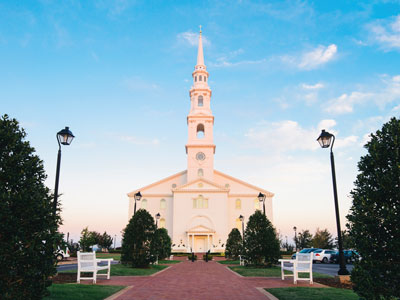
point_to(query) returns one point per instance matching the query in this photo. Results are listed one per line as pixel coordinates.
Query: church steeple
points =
(200, 147)
(200, 55)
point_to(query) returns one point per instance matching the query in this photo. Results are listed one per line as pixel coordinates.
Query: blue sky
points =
(118, 74)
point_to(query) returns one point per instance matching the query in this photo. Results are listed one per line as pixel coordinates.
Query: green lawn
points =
(306, 293)
(268, 272)
(121, 270)
(116, 256)
(229, 262)
(81, 292)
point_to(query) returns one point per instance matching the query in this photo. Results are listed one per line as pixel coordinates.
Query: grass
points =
(269, 272)
(121, 270)
(229, 262)
(305, 293)
(81, 292)
(116, 256)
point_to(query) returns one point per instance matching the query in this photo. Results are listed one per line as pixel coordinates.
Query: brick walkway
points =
(195, 281)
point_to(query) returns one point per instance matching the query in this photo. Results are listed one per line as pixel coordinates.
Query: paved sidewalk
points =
(195, 281)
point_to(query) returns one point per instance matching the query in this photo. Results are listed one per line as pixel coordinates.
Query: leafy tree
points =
(261, 241)
(161, 243)
(136, 240)
(88, 239)
(28, 224)
(322, 239)
(234, 244)
(375, 216)
(304, 239)
(347, 240)
(105, 241)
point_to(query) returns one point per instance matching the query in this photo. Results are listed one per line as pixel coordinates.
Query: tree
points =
(88, 239)
(161, 243)
(261, 241)
(28, 224)
(136, 240)
(304, 239)
(322, 239)
(234, 244)
(105, 241)
(347, 240)
(374, 217)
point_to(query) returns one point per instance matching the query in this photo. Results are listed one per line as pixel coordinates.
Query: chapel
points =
(200, 205)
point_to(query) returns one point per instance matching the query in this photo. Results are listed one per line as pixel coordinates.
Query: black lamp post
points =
(137, 197)
(157, 218)
(325, 140)
(241, 218)
(64, 137)
(295, 236)
(261, 198)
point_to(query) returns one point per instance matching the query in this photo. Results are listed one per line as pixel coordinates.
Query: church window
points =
(239, 224)
(144, 203)
(195, 78)
(205, 78)
(200, 78)
(238, 204)
(200, 101)
(163, 204)
(256, 203)
(200, 172)
(227, 185)
(200, 202)
(162, 223)
(200, 131)
(174, 185)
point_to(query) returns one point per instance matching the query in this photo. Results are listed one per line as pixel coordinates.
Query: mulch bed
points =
(66, 277)
(334, 282)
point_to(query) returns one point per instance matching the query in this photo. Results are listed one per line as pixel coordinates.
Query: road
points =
(329, 269)
(75, 266)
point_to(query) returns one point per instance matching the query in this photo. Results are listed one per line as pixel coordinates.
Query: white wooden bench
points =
(302, 264)
(241, 260)
(88, 263)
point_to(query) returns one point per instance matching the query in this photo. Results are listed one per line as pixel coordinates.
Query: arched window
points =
(195, 78)
(239, 224)
(205, 78)
(200, 172)
(238, 204)
(162, 223)
(163, 204)
(200, 78)
(200, 202)
(256, 203)
(200, 101)
(200, 131)
(144, 203)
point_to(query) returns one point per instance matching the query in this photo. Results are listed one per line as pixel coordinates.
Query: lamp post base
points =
(343, 271)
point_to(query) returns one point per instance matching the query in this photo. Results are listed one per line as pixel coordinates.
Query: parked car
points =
(61, 254)
(349, 256)
(323, 255)
(306, 250)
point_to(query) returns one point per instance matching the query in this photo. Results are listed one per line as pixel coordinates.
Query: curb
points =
(269, 295)
(116, 295)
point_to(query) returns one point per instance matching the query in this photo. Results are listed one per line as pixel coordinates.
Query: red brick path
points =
(196, 281)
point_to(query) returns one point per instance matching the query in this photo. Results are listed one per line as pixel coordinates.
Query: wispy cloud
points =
(386, 33)
(312, 59)
(316, 86)
(387, 92)
(136, 83)
(220, 63)
(192, 39)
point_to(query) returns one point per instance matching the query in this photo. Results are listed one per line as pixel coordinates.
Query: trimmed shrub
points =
(161, 243)
(234, 244)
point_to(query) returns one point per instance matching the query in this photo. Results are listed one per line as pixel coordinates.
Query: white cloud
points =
(192, 38)
(316, 86)
(387, 92)
(387, 33)
(327, 125)
(317, 57)
(136, 83)
(224, 63)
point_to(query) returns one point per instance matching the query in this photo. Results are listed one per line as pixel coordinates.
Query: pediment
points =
(200, 184)
(200, 229)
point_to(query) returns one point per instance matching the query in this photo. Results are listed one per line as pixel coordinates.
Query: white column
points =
(193, 242)
(187, 241)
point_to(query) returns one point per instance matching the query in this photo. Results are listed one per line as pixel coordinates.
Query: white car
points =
(61, 254)
(323, 255)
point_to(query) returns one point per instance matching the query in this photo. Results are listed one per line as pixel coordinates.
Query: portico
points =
(200, 239)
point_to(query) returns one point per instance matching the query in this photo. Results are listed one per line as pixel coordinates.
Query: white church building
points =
(200, 205)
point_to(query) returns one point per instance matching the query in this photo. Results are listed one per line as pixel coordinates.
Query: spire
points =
(200, 56)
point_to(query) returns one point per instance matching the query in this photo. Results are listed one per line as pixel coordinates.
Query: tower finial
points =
(200, 56)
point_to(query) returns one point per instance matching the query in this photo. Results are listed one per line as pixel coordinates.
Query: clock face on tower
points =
(200, 156)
